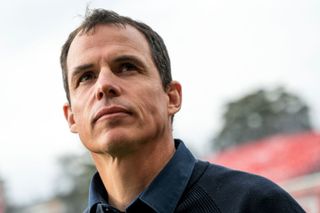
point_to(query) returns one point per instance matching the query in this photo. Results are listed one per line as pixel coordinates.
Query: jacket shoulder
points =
(237, 191)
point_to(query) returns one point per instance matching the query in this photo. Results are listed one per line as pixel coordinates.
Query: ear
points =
(174, 93)
(68, 114)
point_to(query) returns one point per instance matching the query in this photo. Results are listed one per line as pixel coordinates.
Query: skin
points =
(120, 110)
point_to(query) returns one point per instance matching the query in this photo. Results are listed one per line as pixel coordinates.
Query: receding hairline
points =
(137, 36)
(88, 32)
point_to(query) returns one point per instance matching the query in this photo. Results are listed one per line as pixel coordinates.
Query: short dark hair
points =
(96, 17)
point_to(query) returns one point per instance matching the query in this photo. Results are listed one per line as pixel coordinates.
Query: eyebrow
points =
(82, 68)
(132, 58)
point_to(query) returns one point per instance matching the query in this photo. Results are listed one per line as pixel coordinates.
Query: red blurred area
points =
(278, 158)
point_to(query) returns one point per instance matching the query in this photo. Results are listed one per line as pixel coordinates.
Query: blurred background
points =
(250, 76)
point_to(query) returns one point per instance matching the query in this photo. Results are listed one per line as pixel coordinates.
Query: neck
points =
(126, 177)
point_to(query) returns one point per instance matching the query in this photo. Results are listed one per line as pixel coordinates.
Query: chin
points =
(114, 145)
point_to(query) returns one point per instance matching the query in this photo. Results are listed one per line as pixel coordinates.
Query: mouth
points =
(110, 112)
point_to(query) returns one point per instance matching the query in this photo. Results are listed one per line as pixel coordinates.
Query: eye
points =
(87, 76)
(127, 67)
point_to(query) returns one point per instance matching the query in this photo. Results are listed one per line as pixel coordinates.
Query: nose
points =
(107, 85)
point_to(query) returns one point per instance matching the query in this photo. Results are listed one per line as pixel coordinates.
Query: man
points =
(121, 102)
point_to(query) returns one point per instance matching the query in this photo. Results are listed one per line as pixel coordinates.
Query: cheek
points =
(154, 104)
(81, 118)
(77, 114)
(81, 102)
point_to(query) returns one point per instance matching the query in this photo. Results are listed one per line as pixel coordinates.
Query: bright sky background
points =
(219, 50)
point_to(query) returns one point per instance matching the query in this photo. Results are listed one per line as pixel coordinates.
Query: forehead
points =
(108, 39)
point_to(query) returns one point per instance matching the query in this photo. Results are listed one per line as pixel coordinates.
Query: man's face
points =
(117, 99)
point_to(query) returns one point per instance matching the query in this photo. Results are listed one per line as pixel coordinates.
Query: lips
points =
(109, 111)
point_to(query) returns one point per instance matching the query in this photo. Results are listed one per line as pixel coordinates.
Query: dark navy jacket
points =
(189, 185)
